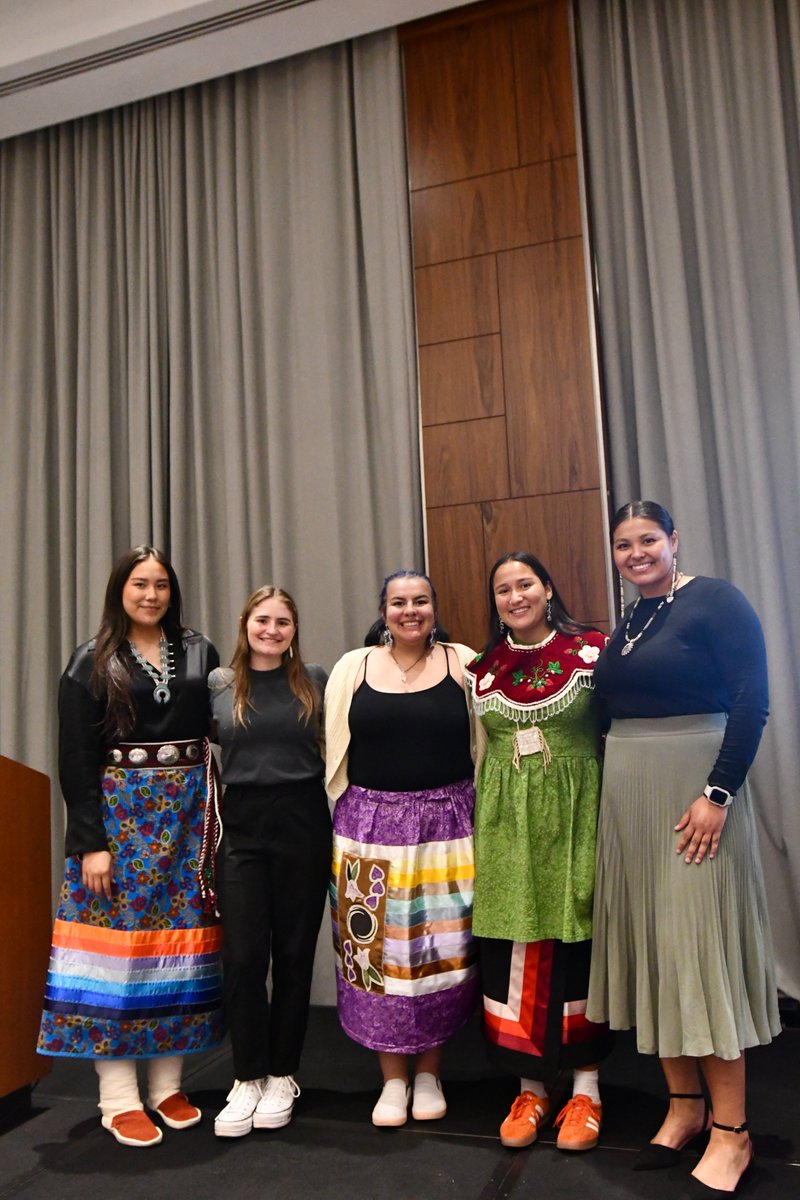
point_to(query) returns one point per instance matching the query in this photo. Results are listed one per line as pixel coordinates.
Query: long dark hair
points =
(374, 635)
(648, 510)
(111, 672)
(297, 676)
(560, 618)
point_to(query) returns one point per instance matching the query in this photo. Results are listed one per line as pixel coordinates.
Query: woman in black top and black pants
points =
(274, 859)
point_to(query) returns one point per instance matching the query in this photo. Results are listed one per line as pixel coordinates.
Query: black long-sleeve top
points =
(83, 744)
(276, 745)
(704, 653)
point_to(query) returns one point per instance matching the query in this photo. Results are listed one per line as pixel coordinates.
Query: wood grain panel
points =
(546, 363)
(465, 461)
(461, 380)
(566, 533)
(457, 568)
(27, 921)
(496, 212)
(457, 300)
(543, 73)
(460, 103)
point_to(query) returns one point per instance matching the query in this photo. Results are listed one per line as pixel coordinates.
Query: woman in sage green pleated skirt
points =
(681, 934)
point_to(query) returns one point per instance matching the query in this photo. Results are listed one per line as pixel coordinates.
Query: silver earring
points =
(386, 637)
(621, 597)
(671, 593)
(549, 610)
(291, 652)
(502, 626)
(432, 637)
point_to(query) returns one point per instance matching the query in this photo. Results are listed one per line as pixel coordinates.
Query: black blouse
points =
(83, 744)
(704, 653)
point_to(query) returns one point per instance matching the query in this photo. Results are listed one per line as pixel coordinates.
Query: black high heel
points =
(654, 1156)
(697, 1190)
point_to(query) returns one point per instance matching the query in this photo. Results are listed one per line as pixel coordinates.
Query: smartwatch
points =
(718, 796)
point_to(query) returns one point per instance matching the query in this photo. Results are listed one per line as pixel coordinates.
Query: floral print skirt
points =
(138, 976)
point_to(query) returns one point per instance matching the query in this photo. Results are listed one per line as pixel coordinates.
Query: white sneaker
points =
(275, 1106)
(429, 1102)
(392, 1107)
(236, 1118)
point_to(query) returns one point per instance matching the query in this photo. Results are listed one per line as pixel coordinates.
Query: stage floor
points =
(331, 1150)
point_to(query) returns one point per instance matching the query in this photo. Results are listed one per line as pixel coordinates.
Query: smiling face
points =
(409, 612)
(644, 553)
(270, 631)
(521, 601)
(145, 597)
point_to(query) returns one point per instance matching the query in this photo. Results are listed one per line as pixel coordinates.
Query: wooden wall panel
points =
(460, 103)
(564, 532)
(461, 380)
(497, 212)
(549, 401)
(455, 545)
(457, 300)
(509, 436)
(544, 82)
(465, 461)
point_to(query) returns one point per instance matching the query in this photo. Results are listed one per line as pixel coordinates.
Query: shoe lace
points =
(281, 1088)
(244, 1092)
(576, 1111)
(526, 1106)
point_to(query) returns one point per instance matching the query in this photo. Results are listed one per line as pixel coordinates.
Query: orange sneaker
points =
(133, 1128)
(580, 1120)
(521, 1126)
(177, 1112)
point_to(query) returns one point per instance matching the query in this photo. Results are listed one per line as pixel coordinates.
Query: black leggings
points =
(272, 872)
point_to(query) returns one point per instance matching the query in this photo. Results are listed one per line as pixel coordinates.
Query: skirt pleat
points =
(681, 951)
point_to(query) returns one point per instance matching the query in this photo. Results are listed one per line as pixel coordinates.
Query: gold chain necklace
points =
(404, 670)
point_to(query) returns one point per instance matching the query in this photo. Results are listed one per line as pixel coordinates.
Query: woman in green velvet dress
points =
(535, 820)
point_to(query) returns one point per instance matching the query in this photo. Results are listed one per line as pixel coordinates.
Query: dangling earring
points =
(432, 637)
(549, 610)
(291, 651)
(671, 592)
(621, 598)
(502, 626)
(386, 637)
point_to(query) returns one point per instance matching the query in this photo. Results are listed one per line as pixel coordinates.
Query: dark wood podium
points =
(26, 917)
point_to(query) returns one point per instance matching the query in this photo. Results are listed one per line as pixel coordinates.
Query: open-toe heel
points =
(654, 1156)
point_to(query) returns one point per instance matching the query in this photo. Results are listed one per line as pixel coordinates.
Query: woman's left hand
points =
(700, 828)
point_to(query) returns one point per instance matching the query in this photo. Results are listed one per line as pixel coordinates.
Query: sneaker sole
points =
(233, 1128)
(429, 1114)
(271, 1120)
(577, 1145)
(389, 1122)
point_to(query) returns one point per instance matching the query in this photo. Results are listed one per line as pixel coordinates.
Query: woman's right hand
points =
(97, 873)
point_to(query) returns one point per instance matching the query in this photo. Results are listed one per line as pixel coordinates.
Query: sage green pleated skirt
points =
(681, 951)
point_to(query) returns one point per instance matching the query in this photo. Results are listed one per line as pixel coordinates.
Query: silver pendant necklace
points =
(161, 693)
(630, 642)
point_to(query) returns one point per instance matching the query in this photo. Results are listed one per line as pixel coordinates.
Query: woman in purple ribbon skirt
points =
(400, 763)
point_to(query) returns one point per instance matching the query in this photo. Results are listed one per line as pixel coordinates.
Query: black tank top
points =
(409, 741)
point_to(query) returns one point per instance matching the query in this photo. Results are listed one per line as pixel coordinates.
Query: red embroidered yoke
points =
(532, 683)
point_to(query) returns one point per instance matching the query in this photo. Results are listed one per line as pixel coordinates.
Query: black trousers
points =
(272, 874)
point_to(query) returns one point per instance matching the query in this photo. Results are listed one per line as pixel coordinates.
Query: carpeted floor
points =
(331, 1150)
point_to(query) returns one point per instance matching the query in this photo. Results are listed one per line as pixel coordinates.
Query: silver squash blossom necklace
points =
(161, 693)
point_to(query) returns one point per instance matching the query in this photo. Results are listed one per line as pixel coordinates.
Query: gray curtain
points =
(691, 112)
(207, 341)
